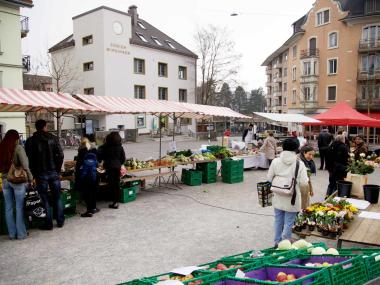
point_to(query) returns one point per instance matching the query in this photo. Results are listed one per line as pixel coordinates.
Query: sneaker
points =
(96, 210)
(114, 206)
(86, 215)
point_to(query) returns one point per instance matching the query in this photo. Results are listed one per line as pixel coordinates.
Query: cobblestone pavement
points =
(161, 230)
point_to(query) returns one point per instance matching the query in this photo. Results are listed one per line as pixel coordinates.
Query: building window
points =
(323, 17)
(89, 91)
(294, 96)
(295, 52)
(294, 73)
(306, 68)
(139, 66)
(157, 41)
(370, 63)
(333, 40)
(332, 66)
(141, 36)
(285, 87)
(162, 69)
(285, 71)
(285, 56)
(182, 72)
(372, 6)
(284, 101)
(141, 25)
(170, 44)
(182, 95)
(88, 66)
(139, 92)
(370, 92)
(331, 93)
(87, 40)
(371, 34)
(307, 94)
(162, 93)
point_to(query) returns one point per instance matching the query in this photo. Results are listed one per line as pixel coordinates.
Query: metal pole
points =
(81, 123)
(174, 123)
(159, 170)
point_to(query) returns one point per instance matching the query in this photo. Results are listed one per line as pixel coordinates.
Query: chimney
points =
(132, 11)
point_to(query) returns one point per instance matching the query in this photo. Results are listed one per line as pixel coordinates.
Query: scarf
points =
(310, 164)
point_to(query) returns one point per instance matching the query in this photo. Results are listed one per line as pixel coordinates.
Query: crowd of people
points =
(295, 178)
(39, 166)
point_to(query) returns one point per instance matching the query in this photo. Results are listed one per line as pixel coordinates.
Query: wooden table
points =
(363, 231)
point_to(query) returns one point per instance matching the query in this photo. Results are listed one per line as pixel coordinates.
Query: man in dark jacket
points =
(45, 161)
(337, 162)
(324, 140)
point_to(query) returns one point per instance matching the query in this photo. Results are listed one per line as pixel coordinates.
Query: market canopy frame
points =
(287, 118)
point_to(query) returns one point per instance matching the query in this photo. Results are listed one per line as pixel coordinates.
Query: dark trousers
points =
(334, 176)
(50, 179)
(89, 189)
(113, 179)
(322, 154)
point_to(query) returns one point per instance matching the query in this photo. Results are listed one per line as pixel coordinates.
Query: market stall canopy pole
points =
(15, 100)
(344, 115)
(286, 118)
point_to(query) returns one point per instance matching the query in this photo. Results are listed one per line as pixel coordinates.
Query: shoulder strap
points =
(293, 201)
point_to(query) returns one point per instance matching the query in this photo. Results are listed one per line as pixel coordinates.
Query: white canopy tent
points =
(286, 118)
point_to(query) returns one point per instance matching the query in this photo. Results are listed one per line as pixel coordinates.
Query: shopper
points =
(11, 152)
(337, 162)
(248, 134)
(86, 179)
(46, 157)
(324, 141)
(113, 156)
(285, 212)
(307, 155)
(360, 147)
(269, 147)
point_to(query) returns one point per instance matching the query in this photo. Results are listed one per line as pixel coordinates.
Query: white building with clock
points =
(116, 53)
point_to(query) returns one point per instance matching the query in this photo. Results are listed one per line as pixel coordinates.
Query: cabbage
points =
(318, 251)
(299, 244)
(284, 245)
(332, 251)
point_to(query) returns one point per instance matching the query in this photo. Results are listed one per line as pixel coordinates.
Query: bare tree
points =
(218, 60)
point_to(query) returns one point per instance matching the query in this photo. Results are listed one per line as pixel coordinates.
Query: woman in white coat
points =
(284, 212)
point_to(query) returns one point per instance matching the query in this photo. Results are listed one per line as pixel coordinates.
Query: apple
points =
(221, 266)
(291, 277)
(281, 277)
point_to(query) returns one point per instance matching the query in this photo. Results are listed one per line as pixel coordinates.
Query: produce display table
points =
(254, 161)
(362, 230)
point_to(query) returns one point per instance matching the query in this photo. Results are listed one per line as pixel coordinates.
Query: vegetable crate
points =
(215, 148)
(229, 267)
(128, 194)
(232, 171)
(191, 177)
(129, 183)
(196, 276)
(69, 201)
(343, 269)
(371, 257)
(209, 171)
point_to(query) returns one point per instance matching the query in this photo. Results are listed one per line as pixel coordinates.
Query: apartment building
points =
(332, 56)
(117, 53)
(13, 27)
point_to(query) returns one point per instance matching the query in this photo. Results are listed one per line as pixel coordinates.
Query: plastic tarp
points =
(287, 118)
(15, 100)
(344, 115)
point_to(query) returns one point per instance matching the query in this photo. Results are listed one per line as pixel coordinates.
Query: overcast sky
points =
(260, 28)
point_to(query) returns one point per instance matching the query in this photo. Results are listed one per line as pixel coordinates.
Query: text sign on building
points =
(117, 48)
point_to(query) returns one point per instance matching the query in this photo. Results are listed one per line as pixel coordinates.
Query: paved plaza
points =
(161, 230)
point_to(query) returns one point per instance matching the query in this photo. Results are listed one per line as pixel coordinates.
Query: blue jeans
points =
(14, 193)
(283, 223)
(51, 179)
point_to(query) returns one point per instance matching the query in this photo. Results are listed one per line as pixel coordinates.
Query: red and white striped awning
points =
(15, 100)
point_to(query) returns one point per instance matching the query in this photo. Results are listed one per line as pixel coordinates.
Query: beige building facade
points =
(333, 56)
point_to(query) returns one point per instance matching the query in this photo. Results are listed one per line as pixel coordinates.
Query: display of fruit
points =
(133, 163)
(299, 244)
(283, 277)
(209, 156)
(222, 267)
(197, 157)
(178, 278)
(324, 264)
(222, 153)
(183, 159)
(318, 251)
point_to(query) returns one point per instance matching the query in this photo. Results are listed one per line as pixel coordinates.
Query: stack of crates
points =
(69, 202)
(232, 170)
(191, 177)
(209, 171)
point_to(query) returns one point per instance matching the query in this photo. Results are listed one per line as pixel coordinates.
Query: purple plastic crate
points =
(270, 273)
(235, 282)
(318, 259)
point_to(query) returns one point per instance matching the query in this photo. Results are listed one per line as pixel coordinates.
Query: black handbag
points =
(34, 207)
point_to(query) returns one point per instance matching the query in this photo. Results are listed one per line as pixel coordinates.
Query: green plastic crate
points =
(209, 171)
(238, 264)
(232, 180)
(128, 194)
(215, 148)
(233, 164)
(68, 199)
(198, 275)
(130, 183)
(191, 177)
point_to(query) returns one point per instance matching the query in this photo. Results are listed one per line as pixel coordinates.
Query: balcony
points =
(309, 104)
(369, 45)
(277, 65)
(310, 53)
(362, 104)
(277, 93)
(309, 78)
(26, 63)
(24, 26)
(277, 79)
(268, 84)
(368, 74)
(268, 70)
(268, 96)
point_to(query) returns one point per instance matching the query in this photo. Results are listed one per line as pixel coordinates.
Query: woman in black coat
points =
(113, 156)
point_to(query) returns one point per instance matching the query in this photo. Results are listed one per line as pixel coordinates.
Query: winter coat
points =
(285, 166)
(360, 149)
(112, 155)
(337, 157)
(44, 153)
(324, 140)
(269, 147)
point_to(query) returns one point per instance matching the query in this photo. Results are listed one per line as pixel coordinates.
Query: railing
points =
(24, 26)
(277, 79)
(369, 44)
(26, 63)
(368, 74)
(362, 104)
(306, 53)
(309, 78)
